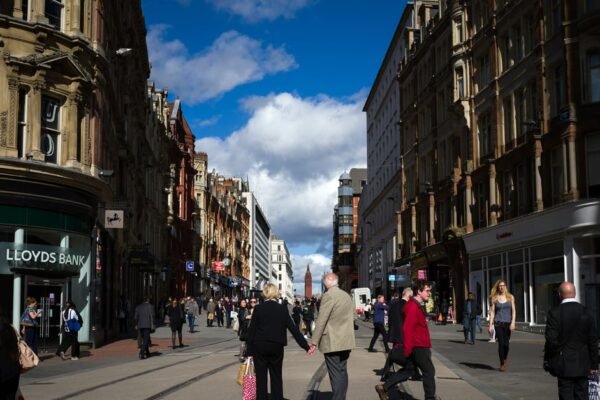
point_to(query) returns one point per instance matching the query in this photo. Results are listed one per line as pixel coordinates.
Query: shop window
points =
(495, 276)
(54, 12)
(517, 288)
(593, 164)
(547, 277)
(548, 250)
(50, 144)
(476, 264)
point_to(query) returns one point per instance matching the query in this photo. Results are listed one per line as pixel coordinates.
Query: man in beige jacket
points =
(334, 334)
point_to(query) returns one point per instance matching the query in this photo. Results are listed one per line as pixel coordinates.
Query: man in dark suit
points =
(571, 344)
(144, 320)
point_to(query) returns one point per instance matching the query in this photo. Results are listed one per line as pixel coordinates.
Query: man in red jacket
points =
(417, 343)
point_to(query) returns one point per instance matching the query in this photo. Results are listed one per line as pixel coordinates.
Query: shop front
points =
(534, 254)
(46, 255)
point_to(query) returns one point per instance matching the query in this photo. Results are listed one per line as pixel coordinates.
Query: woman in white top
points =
(70, 331)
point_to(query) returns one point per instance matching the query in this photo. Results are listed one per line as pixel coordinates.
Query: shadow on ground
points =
(477, 366)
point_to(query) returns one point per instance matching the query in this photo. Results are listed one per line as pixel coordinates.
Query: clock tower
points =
(308, 283)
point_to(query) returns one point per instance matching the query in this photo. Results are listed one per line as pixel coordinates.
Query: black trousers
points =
(503, 338)
(337, 368)
(268, 357)
(379, 329)
(69, 339)
(421, 357)
(573, 388)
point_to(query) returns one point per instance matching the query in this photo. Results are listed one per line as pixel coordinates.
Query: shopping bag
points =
(27, 358)
(240, 375)
(249, 381)
(236, 325)
(594, 386)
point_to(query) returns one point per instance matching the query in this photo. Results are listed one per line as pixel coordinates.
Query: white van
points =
(361, 297)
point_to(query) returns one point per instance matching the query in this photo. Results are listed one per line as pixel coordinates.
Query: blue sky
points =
(274, 91)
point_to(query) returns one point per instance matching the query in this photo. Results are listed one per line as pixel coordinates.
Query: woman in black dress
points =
(176, 320)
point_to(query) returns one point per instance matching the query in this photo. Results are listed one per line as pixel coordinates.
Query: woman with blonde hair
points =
(502, 316)
(266, 339)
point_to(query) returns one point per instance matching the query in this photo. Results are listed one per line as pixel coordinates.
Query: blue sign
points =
(392, 278)
(189, 266)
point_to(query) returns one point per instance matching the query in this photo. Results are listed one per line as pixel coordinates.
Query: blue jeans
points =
(191, 320)
(469, 329)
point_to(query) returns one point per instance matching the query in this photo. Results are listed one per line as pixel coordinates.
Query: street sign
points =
(218, 266)
(189, 266)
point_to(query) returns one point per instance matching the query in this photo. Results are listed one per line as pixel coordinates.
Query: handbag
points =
(594, 386)
(26, 319)
(27, 358)
(236, 325)
(73, 325)
(249, 381)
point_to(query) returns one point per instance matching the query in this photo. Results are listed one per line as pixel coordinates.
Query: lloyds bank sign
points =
(50, 259)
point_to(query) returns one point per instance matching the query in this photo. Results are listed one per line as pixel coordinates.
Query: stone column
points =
(38, 11)
(572, 168)
(13, 107)
(18, 282)
(17, 10)
(71, 132)
(34, 126)
(468, 199)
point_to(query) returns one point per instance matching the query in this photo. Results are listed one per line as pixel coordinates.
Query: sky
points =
(273, 91)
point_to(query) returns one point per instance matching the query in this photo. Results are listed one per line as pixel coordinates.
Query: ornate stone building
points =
(499, 144)
(78, 128)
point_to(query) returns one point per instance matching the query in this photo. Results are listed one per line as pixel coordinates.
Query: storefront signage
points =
(503, 235)
(218, 266)
(41, 258)
(113, 219)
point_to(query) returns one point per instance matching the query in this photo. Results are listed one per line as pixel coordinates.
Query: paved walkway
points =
(208, 368)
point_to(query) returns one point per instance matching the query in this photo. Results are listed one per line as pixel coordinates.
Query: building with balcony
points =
(345, 227)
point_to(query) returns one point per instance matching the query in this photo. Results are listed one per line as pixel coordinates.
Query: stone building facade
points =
(499, 144)
(79, 126)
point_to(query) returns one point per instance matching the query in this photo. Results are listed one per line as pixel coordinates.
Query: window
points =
(508, 123)
(517, 43)
(594, 76)
(484, 128)
(460, 85)
(458, 31)
(556, 16)
(25, 9)
(530, 32)
(521, 112)
(50, 129)
(557, 174)
(22, 123)
(559, 89)
(505, 52)
(592, 5)
(523, 189)
(54, 12)
(507, 195)
(593, 164)
(484, 71)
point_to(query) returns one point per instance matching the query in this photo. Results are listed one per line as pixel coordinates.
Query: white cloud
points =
(258, 10)
(232, 60)
(293, 151)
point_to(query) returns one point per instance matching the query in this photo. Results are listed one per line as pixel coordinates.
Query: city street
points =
(207, 368)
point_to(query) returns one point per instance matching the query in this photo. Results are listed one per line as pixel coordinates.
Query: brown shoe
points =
(381, 392)
(503, 366)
